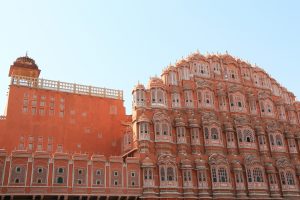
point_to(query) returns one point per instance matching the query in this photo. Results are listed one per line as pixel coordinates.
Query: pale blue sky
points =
(115, 44)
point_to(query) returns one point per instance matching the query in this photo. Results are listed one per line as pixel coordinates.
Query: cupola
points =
(24, 66)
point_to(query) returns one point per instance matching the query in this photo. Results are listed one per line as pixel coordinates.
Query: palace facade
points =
(211, 127)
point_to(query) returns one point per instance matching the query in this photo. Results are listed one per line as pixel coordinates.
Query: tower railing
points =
(66, 87)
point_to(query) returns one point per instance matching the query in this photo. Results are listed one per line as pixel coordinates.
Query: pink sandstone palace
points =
(211, 127)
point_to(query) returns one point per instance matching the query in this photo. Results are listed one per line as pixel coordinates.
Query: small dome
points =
(168, 69)
(196, 56)
(139, 87)
(181, 62)
(26, 62)
(156, 82)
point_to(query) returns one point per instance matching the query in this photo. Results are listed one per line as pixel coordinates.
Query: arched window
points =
(188, 96)
(165, 129)
(219, 171)
(208, 99)
(162, 128)
(206, 133)
(148, 174)
(232, 73)
(248, 135)
(184, 73)
(278, 140)
(187, 178)
(255, 176)
(281, 112)
(217, 68)
(282, 177)
(181, 134)
(170, 174)
(162, 174)
(214, 134)
(266, 107)
(162, 131)
(258, 175)
(287, 178)
(175, 100)
(144, 131)
(201, 176)
(214, 175)
(158, 97)
(246, 138)
(290, 178)
(194, 136)
(60, 180)
(172, 78)
(222, 173)
(60, 170)
(237, 102)
(139, 97)
(201, 69)
(205, 98)
(272, 140)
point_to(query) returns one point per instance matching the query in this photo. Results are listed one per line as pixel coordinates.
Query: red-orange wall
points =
(104, 125)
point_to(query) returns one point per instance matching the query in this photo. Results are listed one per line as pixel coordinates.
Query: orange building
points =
(211, 127)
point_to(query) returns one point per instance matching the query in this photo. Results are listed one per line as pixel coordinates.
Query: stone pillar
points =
(274, 188)
(262, 141)
(203, 188)
(240, 187)
(231, 139)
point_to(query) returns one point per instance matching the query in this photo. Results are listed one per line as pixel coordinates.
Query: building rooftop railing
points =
(66, 87)
(2, 117)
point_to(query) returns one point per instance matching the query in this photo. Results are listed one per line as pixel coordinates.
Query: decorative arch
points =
(220, 173)
(205, 97)
(237, 101)
(287, 174)
(167, 170)
(246, 137)
(162, 127)
(212, 133)
(267, 107)
(143, 125)
(139, 95)
(256, 177)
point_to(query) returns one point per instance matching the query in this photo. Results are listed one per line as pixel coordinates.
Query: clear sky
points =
(115, 44)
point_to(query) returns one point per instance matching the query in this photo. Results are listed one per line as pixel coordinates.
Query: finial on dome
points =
(26, 55)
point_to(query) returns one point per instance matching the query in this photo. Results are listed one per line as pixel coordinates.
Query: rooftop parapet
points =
(66, 87)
